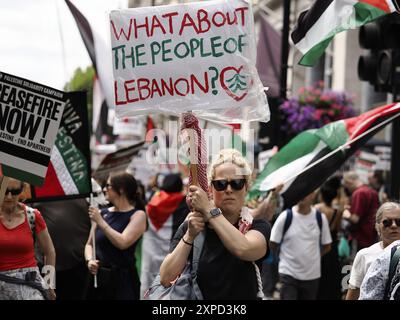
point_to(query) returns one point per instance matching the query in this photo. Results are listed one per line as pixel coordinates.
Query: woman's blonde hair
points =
(387, 206)
(231, 156)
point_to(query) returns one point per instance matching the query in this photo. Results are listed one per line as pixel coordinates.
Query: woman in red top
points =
(17, 253)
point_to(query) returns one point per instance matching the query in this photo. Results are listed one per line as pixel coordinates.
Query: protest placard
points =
(130, 126)
(196, 57)
(69, 171)
(30, 115)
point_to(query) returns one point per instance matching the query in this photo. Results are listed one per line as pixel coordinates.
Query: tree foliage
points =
(82, 80)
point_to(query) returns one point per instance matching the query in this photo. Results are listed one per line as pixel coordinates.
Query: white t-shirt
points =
(300, 252)
(361, 263)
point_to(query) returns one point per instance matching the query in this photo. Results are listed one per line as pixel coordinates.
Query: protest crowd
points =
(308, 223)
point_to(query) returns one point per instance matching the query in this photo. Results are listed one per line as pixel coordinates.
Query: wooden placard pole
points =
(193, 156)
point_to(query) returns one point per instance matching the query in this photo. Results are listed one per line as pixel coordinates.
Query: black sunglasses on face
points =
(221, 185)
(108, 186)
(389, 222)
(14, 192)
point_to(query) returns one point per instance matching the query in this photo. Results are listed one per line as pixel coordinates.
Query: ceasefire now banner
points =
(30, 115)
(198, 57)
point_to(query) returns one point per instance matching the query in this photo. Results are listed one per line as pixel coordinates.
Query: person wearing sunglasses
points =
(388, 228)
(20, 277)
(118, 230)
(382, 281)
(225, 269)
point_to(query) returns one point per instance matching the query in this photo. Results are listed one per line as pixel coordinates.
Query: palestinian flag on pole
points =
(95, 36)
(314, 155)
(68, 174)
(317, 26)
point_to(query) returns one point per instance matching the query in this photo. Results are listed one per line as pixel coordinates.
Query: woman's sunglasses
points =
(389, 222)
(14, 192)
(221, 185)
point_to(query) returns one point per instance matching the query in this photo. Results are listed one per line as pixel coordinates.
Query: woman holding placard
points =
(118, 230)
(233, 239)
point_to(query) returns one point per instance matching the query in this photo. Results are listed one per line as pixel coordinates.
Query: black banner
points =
(69, 172)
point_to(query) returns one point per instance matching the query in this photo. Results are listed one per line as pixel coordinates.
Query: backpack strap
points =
(197, 248)
(30, 214)
(394, 260)
(318, 216)
(260, 291)
(289, 218)
(288, 222)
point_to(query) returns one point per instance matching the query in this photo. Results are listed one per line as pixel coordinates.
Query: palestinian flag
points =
(344, 136)
(95, 39)
(68, 174)
(317, 26)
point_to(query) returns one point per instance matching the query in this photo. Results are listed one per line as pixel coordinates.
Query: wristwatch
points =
(215, 212)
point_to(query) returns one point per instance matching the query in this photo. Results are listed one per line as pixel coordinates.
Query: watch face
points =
(215, 212)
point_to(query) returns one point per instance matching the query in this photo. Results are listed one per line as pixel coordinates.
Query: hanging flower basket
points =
(314, 107)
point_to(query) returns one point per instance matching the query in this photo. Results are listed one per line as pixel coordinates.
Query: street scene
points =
(220, 150)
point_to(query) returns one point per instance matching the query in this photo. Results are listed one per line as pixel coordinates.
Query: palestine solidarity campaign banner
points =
(196, 57)
(340, 139)
(69, 172)
(30, 114)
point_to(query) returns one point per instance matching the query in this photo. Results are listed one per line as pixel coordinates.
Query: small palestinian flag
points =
(312, 145)
(317, 26)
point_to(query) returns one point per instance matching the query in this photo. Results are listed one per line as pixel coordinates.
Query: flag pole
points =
(285, 48)
(93, 239)
(341, 148)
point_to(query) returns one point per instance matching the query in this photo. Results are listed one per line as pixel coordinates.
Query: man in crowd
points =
(303, 235)
(361, 214)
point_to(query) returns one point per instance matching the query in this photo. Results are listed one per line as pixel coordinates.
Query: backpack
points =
(392, 290)
(289, 218)
(273, 258)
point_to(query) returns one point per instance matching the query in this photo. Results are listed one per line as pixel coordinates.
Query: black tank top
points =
(106, 252)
